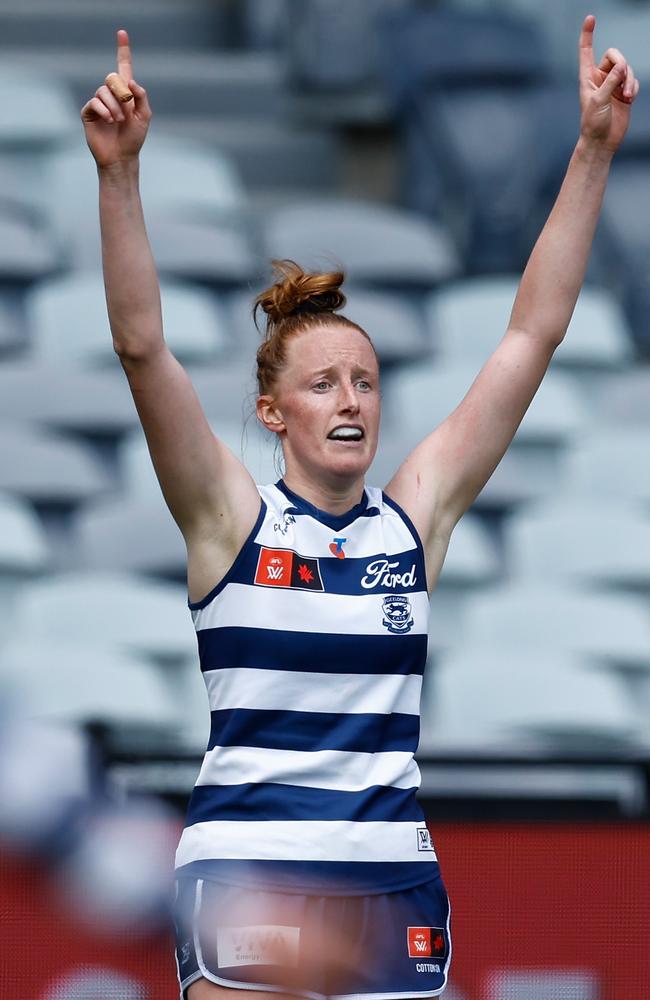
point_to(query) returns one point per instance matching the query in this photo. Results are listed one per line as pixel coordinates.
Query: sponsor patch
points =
(426, 942)
(259, 944)
(397, 613)
(425, 843)
(382, 573)
(285, 568)
(336, 547)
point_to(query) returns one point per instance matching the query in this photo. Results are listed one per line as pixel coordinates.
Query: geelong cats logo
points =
(397, 612)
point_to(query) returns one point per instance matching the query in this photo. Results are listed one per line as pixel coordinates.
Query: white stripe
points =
(369, 536)
(248, 606)
(290, 690)
(304, 840)
(335, 769)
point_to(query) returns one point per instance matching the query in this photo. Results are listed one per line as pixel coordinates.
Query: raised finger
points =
(111, 102)
(124, 60)
(586, 45)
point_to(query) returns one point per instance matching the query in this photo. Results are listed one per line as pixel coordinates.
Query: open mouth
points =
(346, 432)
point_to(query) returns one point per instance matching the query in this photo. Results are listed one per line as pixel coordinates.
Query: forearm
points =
(555, 271)
(130, 278)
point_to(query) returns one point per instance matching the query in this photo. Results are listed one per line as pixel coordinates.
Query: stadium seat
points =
(173, 24)
(36, 114)
(45, 777)
(457, 78)
(194, 203)
(375, 244)
(46, 467)
(263, 23)
(113, 610)
(279, 157)
(254, 447)
(82, 681)
(193, 247)
(24, 552)
(610, 628)
(519, 477)
(583, 541)
(129, 534)
(448, 47)
(27, 250)
(227, 389)
(624, 399)
(334, 45)
(393, 322)
(523, 700)
(71, 399)
(23, 543)
(610, 463)
(468, 319)
(69, 324)
(472, 562)
(11, 332)
(194, 727)
(623, 242)
(420, 397)
(529, 984)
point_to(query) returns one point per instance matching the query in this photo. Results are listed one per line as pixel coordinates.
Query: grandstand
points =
(333, 130)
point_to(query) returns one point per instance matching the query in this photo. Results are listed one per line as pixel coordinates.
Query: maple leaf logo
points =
(438, 942)
(305, 573)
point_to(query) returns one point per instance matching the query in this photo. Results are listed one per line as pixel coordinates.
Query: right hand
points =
(115, 132)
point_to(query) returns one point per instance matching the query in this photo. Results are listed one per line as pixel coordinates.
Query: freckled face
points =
(329, 403)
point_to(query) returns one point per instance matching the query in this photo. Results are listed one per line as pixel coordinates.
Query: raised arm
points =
(209, 492)
(444, 474)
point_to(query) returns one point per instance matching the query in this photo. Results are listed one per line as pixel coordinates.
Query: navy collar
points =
(334, 521)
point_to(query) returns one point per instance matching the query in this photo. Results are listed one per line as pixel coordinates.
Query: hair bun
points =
(296, 291)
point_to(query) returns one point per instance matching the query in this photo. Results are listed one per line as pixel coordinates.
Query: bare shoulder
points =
(214, 544)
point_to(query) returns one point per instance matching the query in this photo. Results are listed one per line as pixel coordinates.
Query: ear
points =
(269, 415)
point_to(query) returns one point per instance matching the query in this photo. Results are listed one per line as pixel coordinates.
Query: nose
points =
(348, 400)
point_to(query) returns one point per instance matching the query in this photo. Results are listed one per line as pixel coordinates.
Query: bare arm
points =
(209, 492)
(445, 472)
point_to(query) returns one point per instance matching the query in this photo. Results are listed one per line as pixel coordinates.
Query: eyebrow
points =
(332, 368)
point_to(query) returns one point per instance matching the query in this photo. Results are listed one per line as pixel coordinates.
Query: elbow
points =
(135, 352)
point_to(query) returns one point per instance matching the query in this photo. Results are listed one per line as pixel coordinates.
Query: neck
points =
(332, 497)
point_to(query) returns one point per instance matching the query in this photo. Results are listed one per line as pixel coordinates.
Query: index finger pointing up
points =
(124, 61)
(587, 43)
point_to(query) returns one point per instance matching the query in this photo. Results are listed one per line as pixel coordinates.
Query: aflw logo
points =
(275, 569)
(286, 568)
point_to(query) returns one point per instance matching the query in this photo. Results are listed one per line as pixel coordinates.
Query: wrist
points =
(594, 150)
(120, 170)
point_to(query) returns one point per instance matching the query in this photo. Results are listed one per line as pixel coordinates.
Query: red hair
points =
(298, 300)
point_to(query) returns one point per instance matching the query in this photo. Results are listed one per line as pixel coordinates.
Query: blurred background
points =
(421, 145)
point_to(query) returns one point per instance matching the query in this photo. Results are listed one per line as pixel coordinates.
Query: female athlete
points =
(305, 866)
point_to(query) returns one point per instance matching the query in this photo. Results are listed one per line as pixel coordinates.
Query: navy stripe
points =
(273, 649)
(401, 573)
(267, 801)
(310, 731)
(331, 878)
(334, 521)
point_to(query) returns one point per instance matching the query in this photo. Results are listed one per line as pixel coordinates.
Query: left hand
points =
(607, 92)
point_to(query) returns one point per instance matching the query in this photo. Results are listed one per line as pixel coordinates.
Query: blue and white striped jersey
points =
(312, 649)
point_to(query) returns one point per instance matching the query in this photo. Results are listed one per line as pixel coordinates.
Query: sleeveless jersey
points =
(312, 649)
